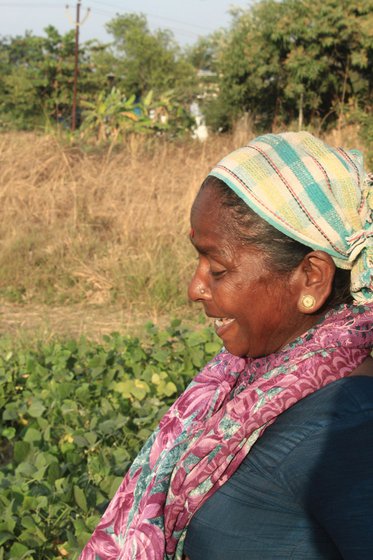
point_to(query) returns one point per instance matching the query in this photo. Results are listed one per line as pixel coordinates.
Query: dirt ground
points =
(43, 322)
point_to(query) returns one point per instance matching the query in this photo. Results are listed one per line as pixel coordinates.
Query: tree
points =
(298, 58)
(19, 97)
(204, 53)
(37, 77)
(148, 60)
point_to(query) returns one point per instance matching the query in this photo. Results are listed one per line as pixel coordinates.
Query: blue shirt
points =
(305, 491)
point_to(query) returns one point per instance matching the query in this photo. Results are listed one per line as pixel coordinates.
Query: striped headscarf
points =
(318, 195)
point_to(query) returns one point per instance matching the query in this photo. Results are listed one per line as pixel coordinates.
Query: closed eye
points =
(217, 273)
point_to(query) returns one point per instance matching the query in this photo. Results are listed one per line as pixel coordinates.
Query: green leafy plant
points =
(112, 116)
(75, 414)
(109, 114)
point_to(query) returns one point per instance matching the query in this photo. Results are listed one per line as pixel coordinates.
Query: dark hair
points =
(282, 252)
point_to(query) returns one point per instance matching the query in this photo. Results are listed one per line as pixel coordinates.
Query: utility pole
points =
(77, 25)
(76, 65)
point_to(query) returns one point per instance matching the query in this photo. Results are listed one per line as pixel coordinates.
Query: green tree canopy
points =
(145, 60)
(283, 57)
(37, 76)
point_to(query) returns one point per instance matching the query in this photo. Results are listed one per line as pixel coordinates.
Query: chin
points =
(239, 352)
(244, 352)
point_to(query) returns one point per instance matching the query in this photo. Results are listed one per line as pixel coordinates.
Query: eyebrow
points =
(211, 250)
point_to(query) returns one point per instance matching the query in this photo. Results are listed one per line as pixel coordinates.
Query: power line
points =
(198, 29)
(25, 5)
(99, 2)
(180, 31)
(196, 26)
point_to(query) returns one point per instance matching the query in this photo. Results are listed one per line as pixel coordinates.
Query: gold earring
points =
(308, 301)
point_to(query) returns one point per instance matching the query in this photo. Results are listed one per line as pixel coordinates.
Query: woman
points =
(269, 452)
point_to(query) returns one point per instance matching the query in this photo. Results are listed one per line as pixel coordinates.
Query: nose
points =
(198, 288)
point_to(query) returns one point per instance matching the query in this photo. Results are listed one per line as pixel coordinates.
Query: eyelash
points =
(214, 273)
(217, 273)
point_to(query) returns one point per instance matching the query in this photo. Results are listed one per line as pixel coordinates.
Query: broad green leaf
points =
(170, 389)
(160, 355)
(36, 408)
(80, 498)
(213, 347)
(32, 435)
(21, 450)
(156, 379)
(115, 483)
(18, 550)
(8, 523)
(8, 433)
(34, 530)
(5, 537)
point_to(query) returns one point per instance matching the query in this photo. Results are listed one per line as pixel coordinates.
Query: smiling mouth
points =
(221, 324)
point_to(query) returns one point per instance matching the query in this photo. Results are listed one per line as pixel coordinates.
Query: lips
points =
(221, 325)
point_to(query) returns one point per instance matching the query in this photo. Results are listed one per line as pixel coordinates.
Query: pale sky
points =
(187, 20)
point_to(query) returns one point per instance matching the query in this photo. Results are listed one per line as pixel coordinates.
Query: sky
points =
(187, 19)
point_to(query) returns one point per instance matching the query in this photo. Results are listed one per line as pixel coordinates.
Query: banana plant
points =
(112, 116)
(103, 117)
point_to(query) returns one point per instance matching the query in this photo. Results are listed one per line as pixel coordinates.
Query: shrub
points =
(75, 414)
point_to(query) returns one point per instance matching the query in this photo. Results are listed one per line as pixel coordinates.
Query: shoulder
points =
(331, 422)
(331, 434)
(346, 404)
(337, 402)
(318, 455)
(330, 472)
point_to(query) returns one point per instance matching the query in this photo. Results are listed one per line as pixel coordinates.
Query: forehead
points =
(211, 222)
(208, 207)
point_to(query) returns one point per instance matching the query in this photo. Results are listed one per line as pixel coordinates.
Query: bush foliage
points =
(74, 416)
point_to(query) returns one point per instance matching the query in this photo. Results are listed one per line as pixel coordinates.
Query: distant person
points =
(268, 454)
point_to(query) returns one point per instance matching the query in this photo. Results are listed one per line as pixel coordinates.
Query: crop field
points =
(74, 415)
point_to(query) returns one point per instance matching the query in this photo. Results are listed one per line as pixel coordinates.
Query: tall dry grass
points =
(103, 226)
(100, 226)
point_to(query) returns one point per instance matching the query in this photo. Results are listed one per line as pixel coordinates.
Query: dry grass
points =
(103, 226)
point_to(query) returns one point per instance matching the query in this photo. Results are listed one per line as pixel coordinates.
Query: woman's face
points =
(255, 311)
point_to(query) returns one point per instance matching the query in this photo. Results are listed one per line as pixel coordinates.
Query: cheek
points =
(278, 306)
(262, 305)
(226, 292)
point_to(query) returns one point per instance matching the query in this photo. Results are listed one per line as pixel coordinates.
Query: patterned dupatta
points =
(212, 426)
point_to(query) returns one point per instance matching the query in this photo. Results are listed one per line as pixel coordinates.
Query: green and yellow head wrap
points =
(316, 194)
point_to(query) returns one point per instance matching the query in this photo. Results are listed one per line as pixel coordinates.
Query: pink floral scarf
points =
(212, 426)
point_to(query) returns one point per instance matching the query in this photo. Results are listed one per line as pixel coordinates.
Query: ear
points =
(316, 274)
